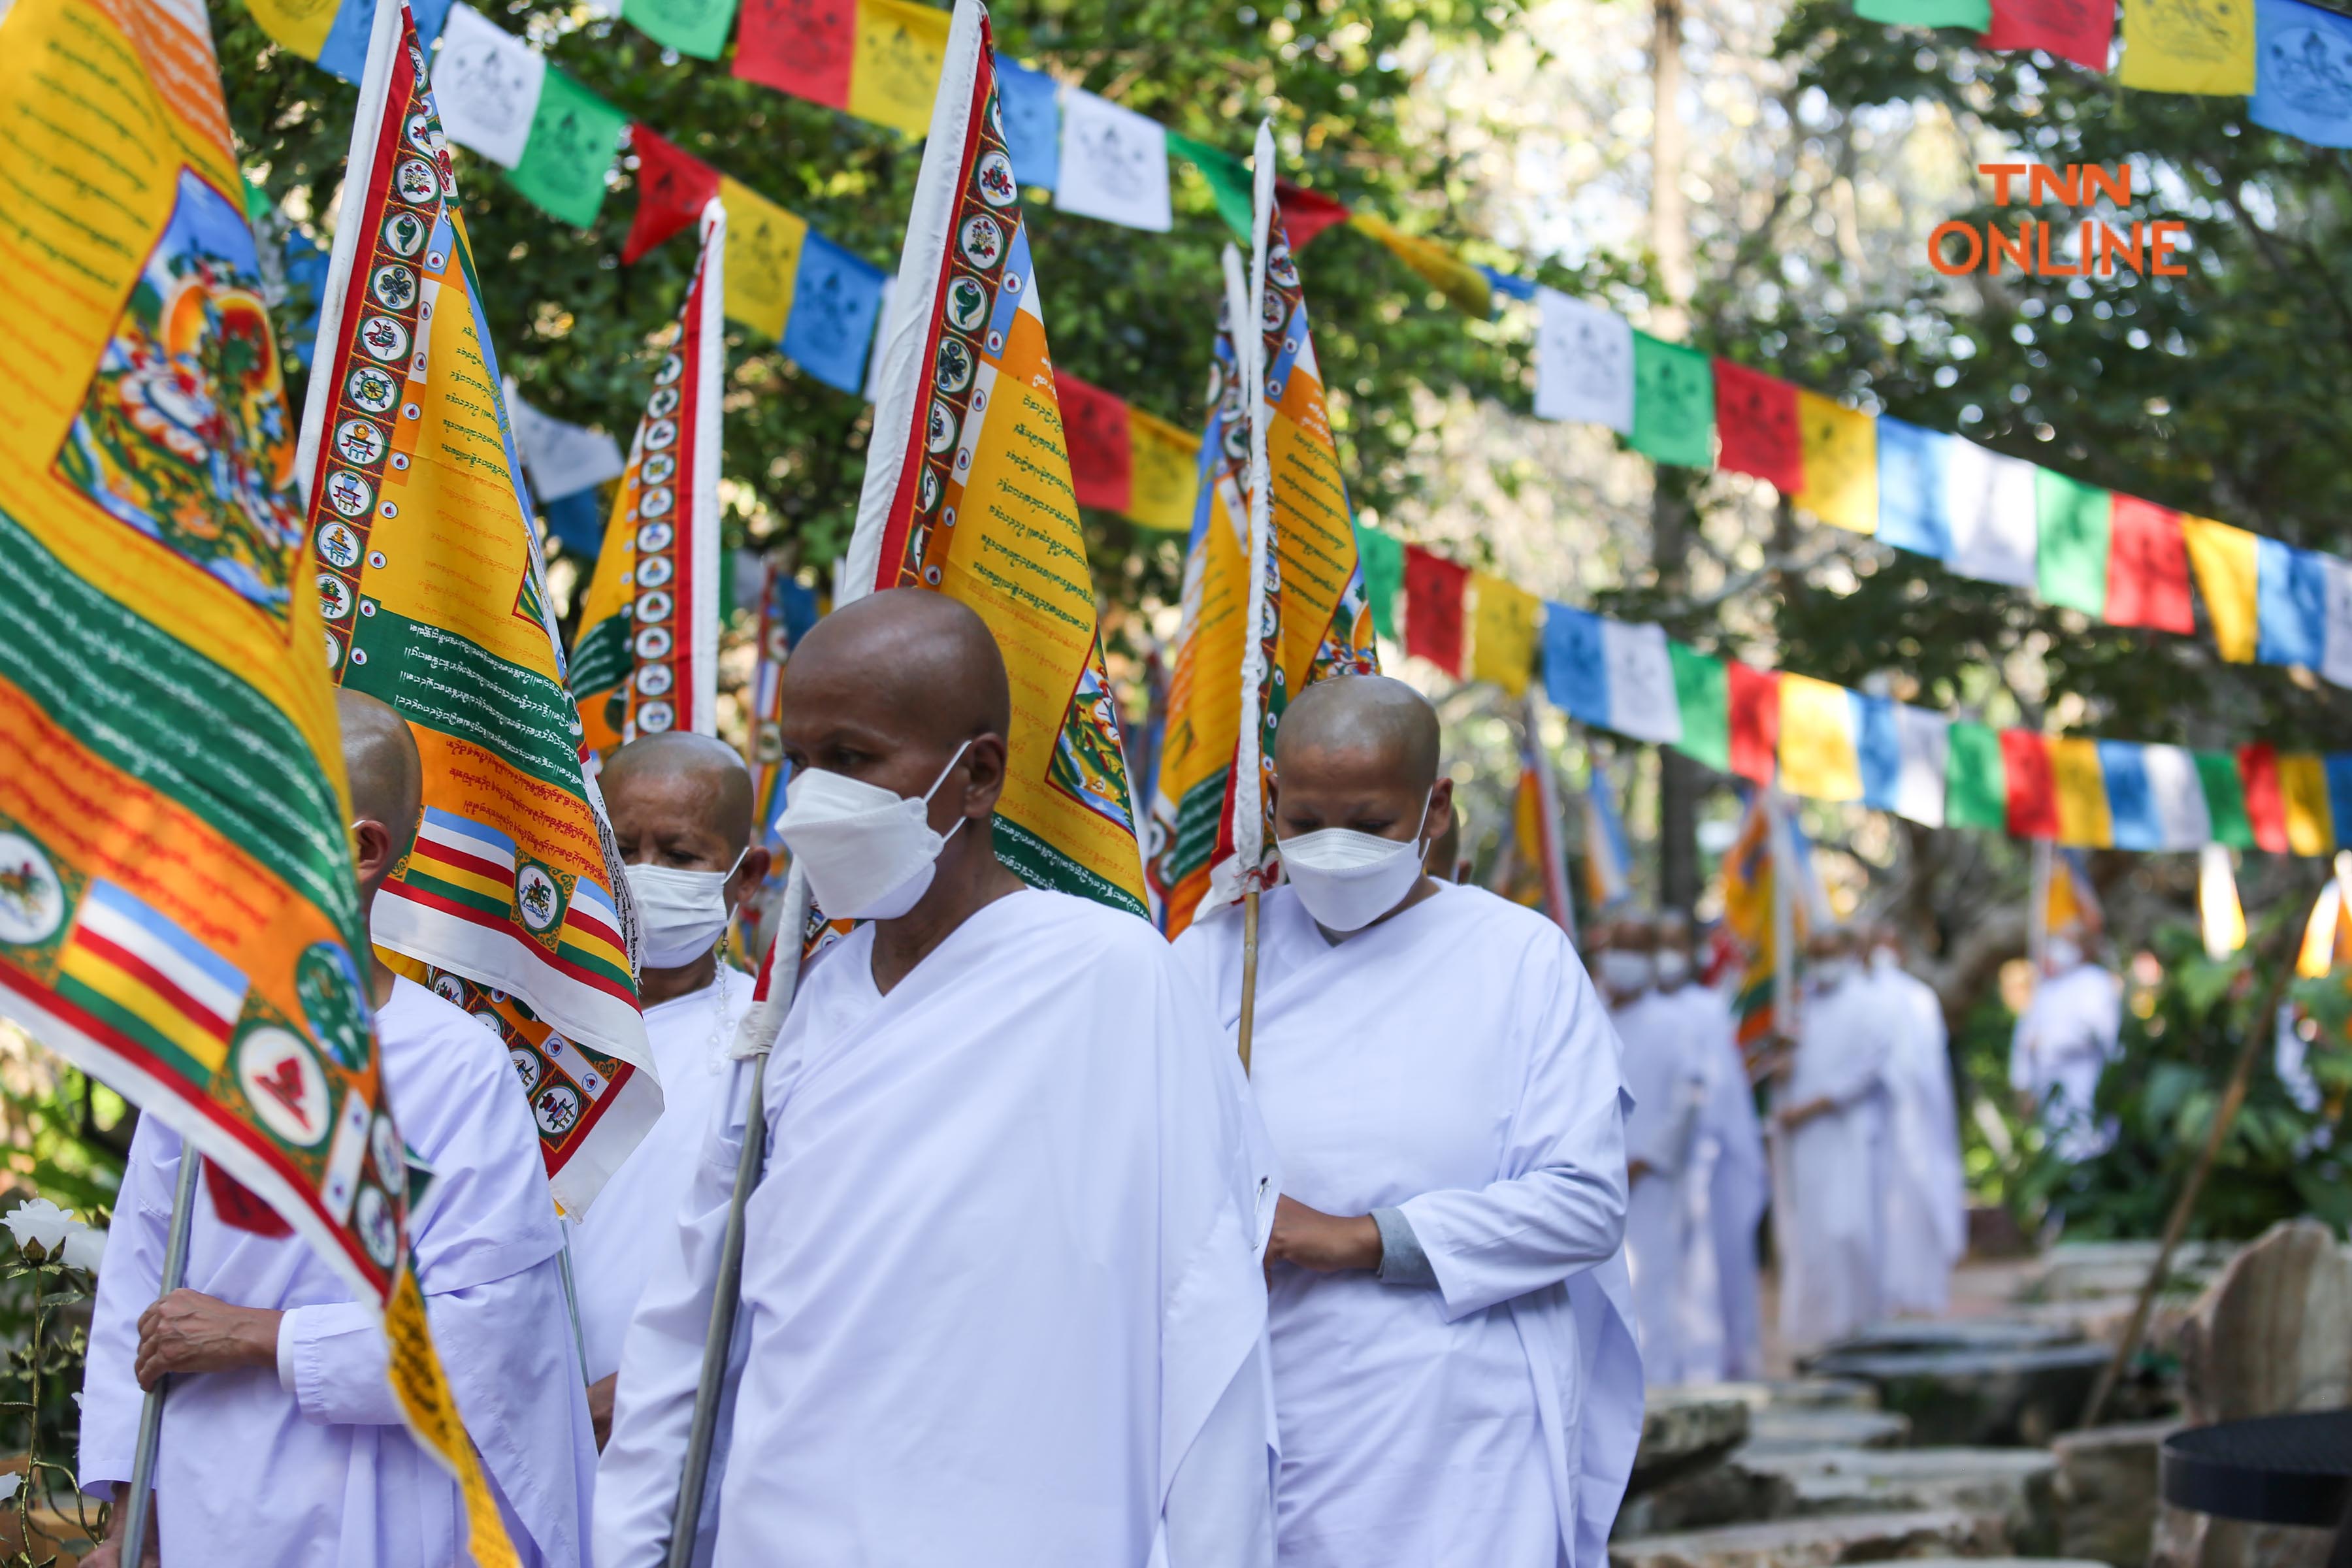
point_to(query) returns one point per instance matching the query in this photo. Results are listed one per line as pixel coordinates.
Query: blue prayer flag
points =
(345, 51)
(1877, 750)
(836, 297)
(577, 521)
(2290, 604)
(2339, 793)
(1913, 510)
(1033, 122)
(1575, 669)
(2131, 806)
(2303, 72)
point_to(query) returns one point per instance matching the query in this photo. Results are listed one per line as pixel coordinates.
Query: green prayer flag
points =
(574, 137)
(1229, 182)
(1976, 785)
(2070, 550)
(1702, 693)
(2225, 798)
(697, 27)
(1674, 403)
(1382, 558)
(1976, 15)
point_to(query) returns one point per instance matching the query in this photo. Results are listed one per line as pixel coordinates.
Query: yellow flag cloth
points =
(1840, 450)
(1817, 753)
(301, 26)
(1165, 472)
(1505, 620)
(2310, 823)
(763, 257)
(2223, 559)
(1465, 287)
(2081, 785)
(895, 73)
(2189, 46)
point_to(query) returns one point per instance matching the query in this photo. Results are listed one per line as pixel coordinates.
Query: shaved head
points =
(1373, 724)
(922, 662)
(703, 772)
(387, 776)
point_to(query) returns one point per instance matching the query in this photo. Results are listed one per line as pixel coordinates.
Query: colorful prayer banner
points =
(1756, 424)
(967, 490)
(1989, 509)
(1608, 859)
(1030, 103)
(2303, 72)
(1127, 461)
(336, 36)
(1382, 557)
(1113, 165)
(555, 139)
(2147, 568)
(877, 60)
(2029, 791)
(1584, 363)
(2189, 46)
(2067, 29)
(1463, 285)
(2291, 605)
(1976, 15)
(1674, 403)
(695, 27)
(1703, 706)
(1434, 587)
(2076, 522)
(1755, 708)
(1613, 674)
(2079, 786)
(1504, 623)
(430, 584)
(2224, 560)
(1818, 756)
(1538, 873)
(1841, 463)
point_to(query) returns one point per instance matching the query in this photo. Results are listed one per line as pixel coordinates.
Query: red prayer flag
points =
(800, 46)
(1756, 416)
(1432, 608)
(1305, 213)
(2032, 785)
(2147, 568)
(672, 186)
(2077, 30)
(1755, 703)
(1102, 453)
(2265, 802)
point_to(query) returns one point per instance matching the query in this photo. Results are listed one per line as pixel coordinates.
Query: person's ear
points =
(371, 848)
(1440, 813)
(984, 766)
(749, 875)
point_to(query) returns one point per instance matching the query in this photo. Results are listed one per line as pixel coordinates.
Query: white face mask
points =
(1347, 879)
(2064, 952)
(1829, 974)
(681, 914)
(869, 853)
(1626, 974)
(1673, 967)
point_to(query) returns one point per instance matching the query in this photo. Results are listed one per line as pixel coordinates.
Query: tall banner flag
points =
(968, 488)
(1538, 862)
(646, 658)
(434, 597)
(787, 610)
(178, 915)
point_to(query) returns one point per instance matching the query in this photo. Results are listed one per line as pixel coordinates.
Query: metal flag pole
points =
(571, 1293)
(139, 1506)
(768, 1015)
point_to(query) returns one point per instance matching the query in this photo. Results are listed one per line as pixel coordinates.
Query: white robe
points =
(1827, 1173)
(1002, 1302)
(2064, 1042)
(1667, 1077)
(630, 1233)
(1727, 1187)
(309, 1466)
(1454, 1063)
(1924, 1212)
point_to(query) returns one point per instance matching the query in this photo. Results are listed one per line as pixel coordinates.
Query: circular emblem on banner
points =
(418, 130)
(654, 537)
(926, 490)
(955, 364)
(673, 365)
(334, 653)
(32, 899)
(527, 1067)
(416, 181)
(383, 339)
(1271, 316)
(653, 643)
(285, 1084)
(940, 433)
(360, 443)
(383, 1148)
(663, 403)
(656, 717)
(372, 389)
(657, 469)
(1237, 442)
(653, 607)
(660, 501)
(992, 175)
(351, 496)
(982, 241)
(661, 435)
(653, 680)
(449, 988)
(337, 545)
(404, 234)
(334, 597)
(654, 572)
(1279, 266)
(492, 1024)
(556, 1109)
(768, 743)
(538, 900)
(394, 286)
(379, 1228)
(967, 303)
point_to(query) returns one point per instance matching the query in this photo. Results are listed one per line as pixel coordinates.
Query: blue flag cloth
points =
(2131, 807)
(306, 279)
(837, 298)
(1575, 669)
(345, 51)
(1507, 283)
(2303, 72)
(2340, 789)
(2290, 604)
(577, 521)
(1914, 505)
(1877, 750)
(1033, 122)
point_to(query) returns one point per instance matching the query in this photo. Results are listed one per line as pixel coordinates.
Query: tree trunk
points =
(1670, 509)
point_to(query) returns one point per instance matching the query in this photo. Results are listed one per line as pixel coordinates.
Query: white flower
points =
(40, 1223)
(83, 1248)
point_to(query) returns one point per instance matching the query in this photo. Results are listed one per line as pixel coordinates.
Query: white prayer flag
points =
(2177, 796)
(1584, 363)
(2335, 659)
(486, 82)
(562, 458)
(1923, 741)
(1114, 163)
(1990, 501)
(1641, 682)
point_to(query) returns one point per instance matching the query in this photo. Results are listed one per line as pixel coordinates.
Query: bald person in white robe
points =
(283, 1445)
(1454, 1374)
(2062, 1044)
(680, 806)
(1924, 1204)
(1002, 1301)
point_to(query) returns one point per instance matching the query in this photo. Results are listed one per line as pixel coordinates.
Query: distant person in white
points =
(1728, 1184)
(681, 810)
(1455, 1373)
(1924, 1212)
(1829, 1160)
(283, 1444)
(2063, 1041)
(1003, 1304)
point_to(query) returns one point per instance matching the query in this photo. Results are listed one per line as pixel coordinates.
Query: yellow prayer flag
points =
(2080, 785)
(1164, 473)
(1465, 287)
(1841, 449)
(1817, 753)
(301, 26)
(895, 73)
(2310, 823)
(2189, 46)
(1505, 622)
(763, 257)
(2223, 559)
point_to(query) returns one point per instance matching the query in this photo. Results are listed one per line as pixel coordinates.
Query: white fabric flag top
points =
(1990, 501)
(1923, 741)
(2336, 658)
(2182, 818)
(486, 82)
(1584, 363)
(562, 458)
(1114, 163)
(1641, 682)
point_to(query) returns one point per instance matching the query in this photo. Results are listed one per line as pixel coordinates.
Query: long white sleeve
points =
(1220, 1508)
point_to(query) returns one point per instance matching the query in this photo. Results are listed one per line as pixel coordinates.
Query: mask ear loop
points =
(944, 772)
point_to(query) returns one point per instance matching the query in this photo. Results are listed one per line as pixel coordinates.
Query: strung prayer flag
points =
(1976, 15)
(1674, 403)
(486, 82)
(1755, 709)
(1817, 747)
(1505, 620)
(2224, 560)
(1125, 460)
(2176, 793)
(2337, 768)
(1463, 285)
(695, 27)
(1383, 559)
(1164, 480)
(336, 36)
(2335, 656)
(1584, 363)
(574, 136)
(2072, 31)
(1914, 505)
(1756, 423)
(647, 657)
(2266, 801)
(2147, 568)
(2303, 792)
(2028, 787)
(673, 187)
(1231, 186)
(836, 303)
(2189, 46)
(877, 60)
(1991, 508)
(1877, 748)
(1613, 674)
(1306, 212)
(1434, 587)
(763, 259)
(566, 464)
(435, 598)
(2224, 788)
(1113, 165)
(2132, 816)
(2079, 789)
(2290, 600)
(2072, 551)
(1703, 706)
(1926, 742)
(968, 432)
(1841, 463)
(1030, 103)
(2303, 72)
(1976, 782)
